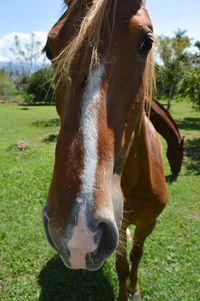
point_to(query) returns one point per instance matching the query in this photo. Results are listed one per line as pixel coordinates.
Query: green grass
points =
(30, 271)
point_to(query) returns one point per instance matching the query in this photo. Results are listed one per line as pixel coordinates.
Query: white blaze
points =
(89, 117)
(82, 241)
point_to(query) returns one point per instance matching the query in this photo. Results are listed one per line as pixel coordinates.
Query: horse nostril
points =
(109, 237)
(106, 239)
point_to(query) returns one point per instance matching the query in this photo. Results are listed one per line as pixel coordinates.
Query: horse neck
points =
(164, 124)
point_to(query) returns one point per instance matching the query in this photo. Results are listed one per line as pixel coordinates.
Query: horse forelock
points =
(99, 15)
(89, 31)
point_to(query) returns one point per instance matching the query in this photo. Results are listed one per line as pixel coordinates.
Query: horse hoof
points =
(128, 235)
(137, 296)
(134, 296)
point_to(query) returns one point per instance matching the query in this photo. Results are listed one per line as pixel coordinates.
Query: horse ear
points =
(67, 2)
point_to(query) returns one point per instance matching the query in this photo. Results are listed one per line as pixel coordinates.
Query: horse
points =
(166, 126)
(108, 171)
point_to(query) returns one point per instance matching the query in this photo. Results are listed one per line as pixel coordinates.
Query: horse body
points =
(107, 150)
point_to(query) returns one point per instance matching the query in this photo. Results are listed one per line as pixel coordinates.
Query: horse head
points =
(101, 55)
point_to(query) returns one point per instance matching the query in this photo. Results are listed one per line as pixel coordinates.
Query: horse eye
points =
(146, 46)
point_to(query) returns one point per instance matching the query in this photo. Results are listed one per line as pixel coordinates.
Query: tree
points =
(197, 44)
(27, 58)
(174, 56)
(190, 87)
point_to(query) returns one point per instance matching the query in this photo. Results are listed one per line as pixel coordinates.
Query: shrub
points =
(39, 87)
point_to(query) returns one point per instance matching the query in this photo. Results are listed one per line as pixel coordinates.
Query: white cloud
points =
(8, 41)
(4, 58)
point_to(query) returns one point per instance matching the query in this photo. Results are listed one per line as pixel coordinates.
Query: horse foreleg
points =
(122, 266)
(141, 233)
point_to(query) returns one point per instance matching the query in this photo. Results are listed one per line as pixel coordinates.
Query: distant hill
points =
(15, 66)
(5, 65)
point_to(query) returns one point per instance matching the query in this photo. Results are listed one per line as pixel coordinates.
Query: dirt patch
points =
(196, 215)
(3, 101)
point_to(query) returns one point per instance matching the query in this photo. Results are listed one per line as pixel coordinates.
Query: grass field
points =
(30, 271)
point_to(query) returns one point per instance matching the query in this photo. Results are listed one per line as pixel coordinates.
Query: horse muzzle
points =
(87, 242)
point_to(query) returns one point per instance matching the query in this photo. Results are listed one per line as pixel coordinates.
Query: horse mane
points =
(96, 20)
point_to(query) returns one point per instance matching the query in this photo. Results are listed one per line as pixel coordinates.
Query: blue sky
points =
(39, 15)
(26, 16)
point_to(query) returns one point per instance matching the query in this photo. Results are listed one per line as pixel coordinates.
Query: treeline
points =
(29, 79)
(178, 68)
(177, 71)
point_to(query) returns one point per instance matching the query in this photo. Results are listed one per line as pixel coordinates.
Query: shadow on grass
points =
(50, 138)
(47, 123)
(189, 123)
(37, 104)
(192, 151)
(171, 178)
(61, 284)
(24, 109)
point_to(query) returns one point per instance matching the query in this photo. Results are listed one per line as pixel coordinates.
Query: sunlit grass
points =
(29, 270)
